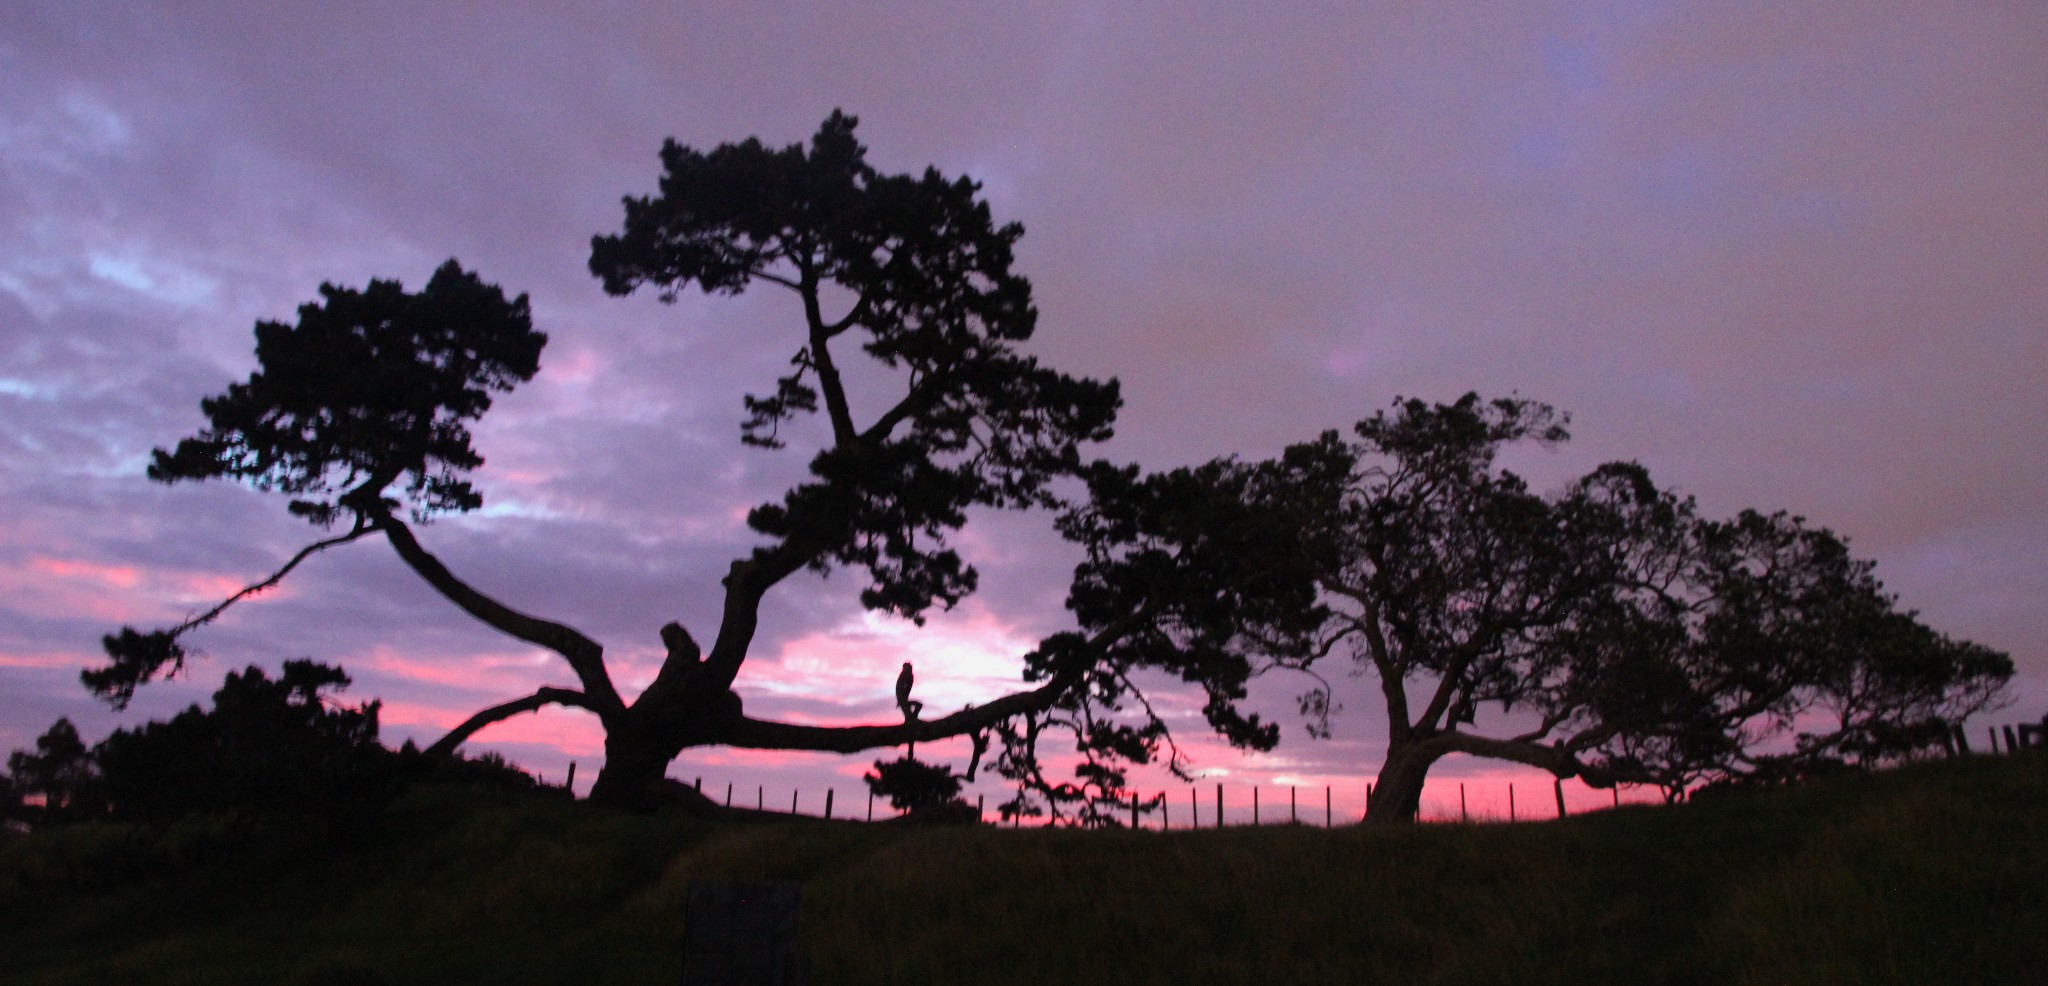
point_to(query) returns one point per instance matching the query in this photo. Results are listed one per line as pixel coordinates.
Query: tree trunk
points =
(634, 765)
(1397, 793)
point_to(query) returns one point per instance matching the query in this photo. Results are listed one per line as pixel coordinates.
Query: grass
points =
(1936, 873)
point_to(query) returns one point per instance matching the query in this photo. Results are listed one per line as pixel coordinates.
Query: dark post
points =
(1194, 809)
(1463, 815)
(2011, 745)
(1255, 804)
(1617, 795)
(728, 794)
(1511, 802)
(1134, 811)
(700, 785)
(1557, 784)
(979, 810)
(1329, 808)
(1293, 815)
(761, 798)
(828, 804)
(570, 784)
(871, 805)
(741, 934)
(1962, 739)
(1992, 731)
(1219, 804)
(792, 801)
(1165, 817)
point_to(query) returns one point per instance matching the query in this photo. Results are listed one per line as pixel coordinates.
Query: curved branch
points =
(498, 713)
(584, 655)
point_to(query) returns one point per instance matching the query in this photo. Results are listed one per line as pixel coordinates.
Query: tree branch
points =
(757, 734)
(498, 713)
(843, 434)
(584, 655)
(306, 552)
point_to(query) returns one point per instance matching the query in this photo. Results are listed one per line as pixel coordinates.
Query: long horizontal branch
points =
(584, 655)
(760, 734)
(1542, 756)
(498, 713)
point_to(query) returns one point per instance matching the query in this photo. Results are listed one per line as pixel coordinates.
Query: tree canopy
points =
(360, 412)
(1618, 635)
(1636, 641)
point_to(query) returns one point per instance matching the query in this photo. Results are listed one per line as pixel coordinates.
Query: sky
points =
(1788, 257)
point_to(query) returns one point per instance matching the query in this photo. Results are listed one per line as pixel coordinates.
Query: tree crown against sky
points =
(1637, 641)
(376, 387)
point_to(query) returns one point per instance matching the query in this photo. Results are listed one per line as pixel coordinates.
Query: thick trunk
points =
(1397, 793)
(634, 765)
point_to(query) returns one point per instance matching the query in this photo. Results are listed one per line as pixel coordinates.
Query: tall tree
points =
(360, 412)
(1633, 640)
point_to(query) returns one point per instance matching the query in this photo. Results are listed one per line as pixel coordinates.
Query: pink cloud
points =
(962, 657)
(509, 673)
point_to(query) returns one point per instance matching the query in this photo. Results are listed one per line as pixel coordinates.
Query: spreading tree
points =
(360, 413)
(1617, 635)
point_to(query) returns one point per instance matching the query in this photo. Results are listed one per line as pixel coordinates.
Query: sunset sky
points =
(1787, 256)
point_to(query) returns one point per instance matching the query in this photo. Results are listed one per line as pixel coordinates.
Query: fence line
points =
(2004, 740)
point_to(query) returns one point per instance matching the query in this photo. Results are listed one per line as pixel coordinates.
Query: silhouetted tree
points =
(911, 784)
(58, 782)
(267, 745)
(1640, 642)
(360, 413)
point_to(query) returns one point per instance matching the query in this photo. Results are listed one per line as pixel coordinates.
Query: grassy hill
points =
(1937, 873)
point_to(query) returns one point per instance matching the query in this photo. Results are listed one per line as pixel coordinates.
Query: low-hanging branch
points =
(547, 695)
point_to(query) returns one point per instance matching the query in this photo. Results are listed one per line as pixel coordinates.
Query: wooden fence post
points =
(1511, 802)
(1219, 804)
(1329, 808)
(570, 784)
(792, 801)
(1463, 815)
(871, 804)
(761, 798)
(1557, 784)
(1992, 731)
(1194, 809)
(1165, 817)
(828, 804)
(2012, 746)
(700, 785)
(1962, 740)
(728, 794)
(1368, 802)
(1617, 795)
(1255, 804)
(1293, 815)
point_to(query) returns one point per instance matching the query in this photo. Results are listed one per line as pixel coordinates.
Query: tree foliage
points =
(360, 414)
(1624, 637)
(911, 784)
(267, 746)
(57, 782)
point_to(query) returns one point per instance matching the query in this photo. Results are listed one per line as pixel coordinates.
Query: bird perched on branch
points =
(910, 707)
